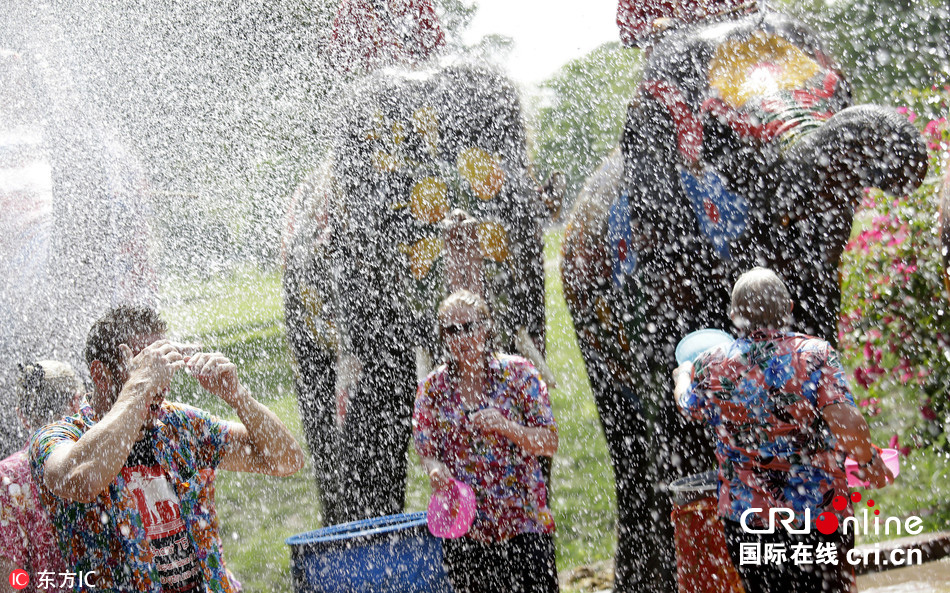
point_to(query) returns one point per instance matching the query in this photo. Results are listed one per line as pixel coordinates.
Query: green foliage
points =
(885, 46)
(920, 489)
(583, 497)
(455, 16)
(895, 322)
(895, 334)
(583, 110)
(491, 49)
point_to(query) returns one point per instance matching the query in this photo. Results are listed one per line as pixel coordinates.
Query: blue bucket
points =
(394, 554)
(699, 341)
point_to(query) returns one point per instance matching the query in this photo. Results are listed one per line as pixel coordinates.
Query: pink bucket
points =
(451, 511)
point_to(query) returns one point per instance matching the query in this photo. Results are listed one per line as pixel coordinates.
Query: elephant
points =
(425, 189)
(741, 147)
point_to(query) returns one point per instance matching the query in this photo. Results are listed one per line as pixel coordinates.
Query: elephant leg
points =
(314, 343)
(372, 454)
(315, 389)
(676, 448)
(624, 430)
(650, 446)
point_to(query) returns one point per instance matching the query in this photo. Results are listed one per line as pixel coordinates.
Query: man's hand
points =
(876, 473)
(851, 430)
(155, 364)
(83, 469)
(148, 374)
(682, 379)
(440, 478)
(216, 374)
(260, 443)
(683, 371)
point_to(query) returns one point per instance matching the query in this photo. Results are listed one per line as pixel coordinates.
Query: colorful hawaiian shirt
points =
(107, 535)
(763, 395)
(509, 484)
(26, 534)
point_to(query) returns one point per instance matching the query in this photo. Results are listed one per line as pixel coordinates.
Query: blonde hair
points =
(760, 300)
(45, 390)
(464, 297)
(470, 299)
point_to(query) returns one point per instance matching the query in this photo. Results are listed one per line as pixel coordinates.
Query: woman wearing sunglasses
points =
(484, 418)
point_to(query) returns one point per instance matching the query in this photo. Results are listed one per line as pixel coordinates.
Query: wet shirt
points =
(26, 533)
(508, 483)
(762, 396)
(110, 535)
(160, 510)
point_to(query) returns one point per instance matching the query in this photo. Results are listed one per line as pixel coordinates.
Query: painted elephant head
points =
(741, 148)
(426, 189)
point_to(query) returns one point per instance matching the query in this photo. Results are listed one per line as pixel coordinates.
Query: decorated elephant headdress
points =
(371, 34)
(641, 21)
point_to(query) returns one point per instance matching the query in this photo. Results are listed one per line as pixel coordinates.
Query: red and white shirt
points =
(160, 509)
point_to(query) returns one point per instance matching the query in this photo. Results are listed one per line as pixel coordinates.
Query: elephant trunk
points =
(463, 270)
(463, 261)
(527, 348)
(821, 181)
(859, 147)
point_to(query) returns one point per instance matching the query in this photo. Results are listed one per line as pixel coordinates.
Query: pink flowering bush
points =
(894, 330)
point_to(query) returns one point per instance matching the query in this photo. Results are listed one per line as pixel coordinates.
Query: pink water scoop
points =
(890, 457)
(451, 511)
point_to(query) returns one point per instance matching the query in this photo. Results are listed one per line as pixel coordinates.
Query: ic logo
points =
(19, 579)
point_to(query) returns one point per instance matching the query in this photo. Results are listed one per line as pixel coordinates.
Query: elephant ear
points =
(650, 183)
(655, 244)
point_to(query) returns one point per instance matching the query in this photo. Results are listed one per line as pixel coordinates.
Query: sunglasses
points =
(460, 329)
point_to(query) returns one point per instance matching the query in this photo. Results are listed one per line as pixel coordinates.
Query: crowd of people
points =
(116, 482)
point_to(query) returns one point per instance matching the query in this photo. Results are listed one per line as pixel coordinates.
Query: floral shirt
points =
(508, 483)
(763, 395)
(107, 535)
(26, 535)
